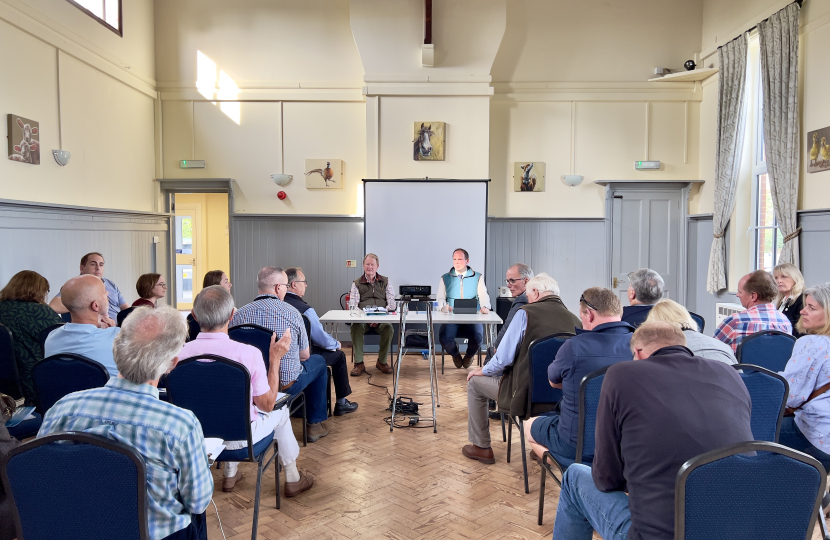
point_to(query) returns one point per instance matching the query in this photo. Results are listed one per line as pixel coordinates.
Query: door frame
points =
(684, 186)
(169, 188)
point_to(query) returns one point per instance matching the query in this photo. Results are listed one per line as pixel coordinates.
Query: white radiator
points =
(724, 310)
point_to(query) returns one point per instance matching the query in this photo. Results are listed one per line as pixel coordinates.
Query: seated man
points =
(603, 340)
(86, 298)
(299, 370)
(506, 376)
(128, 410)
(371, 289)
(654, 415)
(321, 342)
(462, 282)
(645, 288)
(93, 264)
(213, 308)
(756, 291)
(516, 278)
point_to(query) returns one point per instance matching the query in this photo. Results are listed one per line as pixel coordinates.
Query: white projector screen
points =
(414, 225)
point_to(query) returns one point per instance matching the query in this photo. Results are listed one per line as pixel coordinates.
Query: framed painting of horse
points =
(24, 140)
(428, 144)
(529, 176)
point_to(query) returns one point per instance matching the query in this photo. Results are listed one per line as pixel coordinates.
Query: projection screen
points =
(414, 226)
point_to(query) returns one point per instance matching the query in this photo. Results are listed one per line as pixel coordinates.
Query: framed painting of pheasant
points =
(818, 150)
(324, 174)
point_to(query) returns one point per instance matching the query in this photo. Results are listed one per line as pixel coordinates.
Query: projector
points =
(415, 290)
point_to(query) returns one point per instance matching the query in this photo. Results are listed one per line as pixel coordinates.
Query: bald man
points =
(86, 299)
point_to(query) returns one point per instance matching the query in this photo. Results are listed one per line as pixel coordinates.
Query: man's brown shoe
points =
(533, 456)
(292, 489)
(316, 431)
(383, 368)
(358, 370)
(484, 455)
(467, 360)
(230, 481)
(457, 360)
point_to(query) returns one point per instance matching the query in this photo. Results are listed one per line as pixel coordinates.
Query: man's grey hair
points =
(524, 270)
(293, 274)
(213, 308)
(647, 285)
(149, 340)
(266, 279)
(543, 283)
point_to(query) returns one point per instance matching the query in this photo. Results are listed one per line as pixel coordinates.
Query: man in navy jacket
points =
(645, 288)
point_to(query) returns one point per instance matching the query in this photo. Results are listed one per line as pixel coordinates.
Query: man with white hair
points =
(516, 279)
(506, 377)
(128, 410)
(645, 288)
(213, 308)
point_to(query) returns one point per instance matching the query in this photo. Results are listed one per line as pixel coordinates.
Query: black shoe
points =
(495, 415)
(344, 408)
(491, 404)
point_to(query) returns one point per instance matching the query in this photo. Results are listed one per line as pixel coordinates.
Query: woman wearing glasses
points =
(151, 288)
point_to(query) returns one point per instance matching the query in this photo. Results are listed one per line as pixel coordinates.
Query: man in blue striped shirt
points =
(128, 410)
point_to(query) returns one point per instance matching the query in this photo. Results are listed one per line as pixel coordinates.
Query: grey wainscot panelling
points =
(51, 239)
(815, 246)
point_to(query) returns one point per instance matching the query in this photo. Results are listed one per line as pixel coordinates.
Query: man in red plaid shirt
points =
(756, 291)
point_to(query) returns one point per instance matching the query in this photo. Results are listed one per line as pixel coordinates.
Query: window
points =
(107, 12)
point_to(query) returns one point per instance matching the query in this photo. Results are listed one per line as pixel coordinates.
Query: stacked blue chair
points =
(41, 339)
(701, 322)
(218, 392)
(768, 391)
(62, 374)
(542, 353)
(260, 337)
(769, 349)
(773, 494)
(589, 392)
(10, 385)
(77, 485)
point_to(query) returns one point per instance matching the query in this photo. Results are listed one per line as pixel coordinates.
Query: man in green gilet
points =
(371, 289)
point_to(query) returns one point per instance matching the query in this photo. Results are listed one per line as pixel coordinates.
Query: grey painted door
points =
(646, 228)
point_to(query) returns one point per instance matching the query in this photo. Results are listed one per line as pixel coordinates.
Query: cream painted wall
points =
(214, 212)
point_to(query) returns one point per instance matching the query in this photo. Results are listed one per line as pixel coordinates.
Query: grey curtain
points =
(779, 78)
(731, 126)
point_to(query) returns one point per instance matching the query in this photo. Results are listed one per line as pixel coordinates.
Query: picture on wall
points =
(429, 141)
(529, 176)
(324, 174)
(818, 150)
(24, 140)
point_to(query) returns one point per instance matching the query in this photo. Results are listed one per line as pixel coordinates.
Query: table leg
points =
(433, 375)
(396, 372)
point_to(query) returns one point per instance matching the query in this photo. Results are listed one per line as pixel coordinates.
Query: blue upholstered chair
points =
(218, 392)
(589, 391)
(769, 349)
(260, 337)
(62, 374)
(768, 391)
(123, 314)
(9, 376)
(77, 485)
(542, 353)
(701, 322)
(775, 493)
(41, 338)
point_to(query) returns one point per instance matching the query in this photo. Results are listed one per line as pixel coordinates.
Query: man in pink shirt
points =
(213, 308)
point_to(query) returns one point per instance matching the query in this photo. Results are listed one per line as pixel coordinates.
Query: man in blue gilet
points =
(462, 282)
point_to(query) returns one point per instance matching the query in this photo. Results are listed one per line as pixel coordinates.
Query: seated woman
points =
(807, 372)
(790, 299)
(666, 310)
(151, 288)
(214, 277)
(24, 311)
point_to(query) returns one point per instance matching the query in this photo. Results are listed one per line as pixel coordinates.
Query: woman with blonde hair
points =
(790, 299)
(808, 373)
(669, 311)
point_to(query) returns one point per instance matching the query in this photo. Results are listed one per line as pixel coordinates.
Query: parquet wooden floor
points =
(410, 484)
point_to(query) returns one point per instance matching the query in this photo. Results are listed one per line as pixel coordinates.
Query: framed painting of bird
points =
(818, 150)
(324, 174)
(529, 176)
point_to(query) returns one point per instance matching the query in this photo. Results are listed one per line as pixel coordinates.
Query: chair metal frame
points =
(756, 335)
(262, 465)
(765, 371)
(90, 439)
(518, 421)
(11, 358)
(741, 448)
(307, 323)
(580, 441)
(44, 364)
(295, 403)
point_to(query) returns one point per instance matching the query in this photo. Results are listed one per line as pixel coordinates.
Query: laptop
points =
(464, 306)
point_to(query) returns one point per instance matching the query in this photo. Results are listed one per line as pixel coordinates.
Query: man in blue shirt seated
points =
(603, 340)
(92, 264)
(322, 342)
(86, 298)
(128, 410)
(645, 288)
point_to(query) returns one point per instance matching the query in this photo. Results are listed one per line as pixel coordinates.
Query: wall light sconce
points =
(572, 179)
(282, 179)
(61, 156)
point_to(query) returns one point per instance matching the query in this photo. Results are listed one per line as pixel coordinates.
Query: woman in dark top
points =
(214, 277)
(150, 288)
(23, 310)
(790, 299)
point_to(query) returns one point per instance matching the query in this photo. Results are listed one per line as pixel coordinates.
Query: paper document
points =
(21, 414)
(213, 446)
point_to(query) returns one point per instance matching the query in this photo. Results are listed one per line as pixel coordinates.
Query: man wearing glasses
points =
(300, 371)
(516, 279)
(322, 342)
(603, 340)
